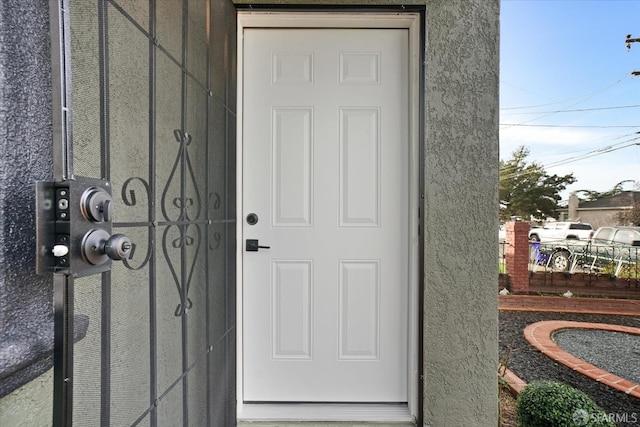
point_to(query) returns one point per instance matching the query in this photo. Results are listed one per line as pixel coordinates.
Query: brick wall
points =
(517, 255)
(569, 305)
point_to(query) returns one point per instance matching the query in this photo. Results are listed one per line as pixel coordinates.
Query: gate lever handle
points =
(253, 245)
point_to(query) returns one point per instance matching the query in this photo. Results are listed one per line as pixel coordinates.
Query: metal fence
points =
(579, 264)
(615, 261)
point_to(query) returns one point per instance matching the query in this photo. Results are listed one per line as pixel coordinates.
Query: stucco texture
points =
(461, 211)
(26, 326)
(29, 406)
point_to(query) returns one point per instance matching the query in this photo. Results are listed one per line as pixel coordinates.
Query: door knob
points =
(118, 247)
(98, 247)
(253, 245)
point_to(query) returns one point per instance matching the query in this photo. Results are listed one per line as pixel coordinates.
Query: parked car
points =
(562, 230)
(609, 246)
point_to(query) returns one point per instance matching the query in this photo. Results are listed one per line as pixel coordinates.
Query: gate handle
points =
(253, 245)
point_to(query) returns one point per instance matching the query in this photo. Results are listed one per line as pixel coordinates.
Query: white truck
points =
(613, 247)
(561, 230)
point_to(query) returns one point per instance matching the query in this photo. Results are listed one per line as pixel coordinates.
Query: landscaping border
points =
(621, 307)
(540, 335)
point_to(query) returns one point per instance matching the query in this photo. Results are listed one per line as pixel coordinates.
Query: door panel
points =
(325, 168)
(359, 172)
(292, 195)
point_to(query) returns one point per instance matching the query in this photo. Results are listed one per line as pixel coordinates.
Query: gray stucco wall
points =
(25, 135)
(461, 213)
(26, 326)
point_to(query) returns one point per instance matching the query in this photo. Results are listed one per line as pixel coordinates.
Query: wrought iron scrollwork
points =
(184, 240)
(215, 242)
(129, 194)
(184, 204)
(188, 205)
(214, 200)
(181, 207)
(129, 198)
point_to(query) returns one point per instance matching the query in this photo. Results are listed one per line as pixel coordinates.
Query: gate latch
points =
(74, 227)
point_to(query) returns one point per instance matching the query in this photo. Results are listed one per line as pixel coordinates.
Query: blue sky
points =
(558, 56)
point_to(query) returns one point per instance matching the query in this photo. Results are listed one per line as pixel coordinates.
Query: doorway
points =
(327, 161)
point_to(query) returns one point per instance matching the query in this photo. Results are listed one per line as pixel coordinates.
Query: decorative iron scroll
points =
(129, 199)
(182, 242)
(215, 202)
(185, 205)
(189, 233)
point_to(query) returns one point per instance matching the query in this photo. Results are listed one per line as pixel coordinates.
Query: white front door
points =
(325, 174)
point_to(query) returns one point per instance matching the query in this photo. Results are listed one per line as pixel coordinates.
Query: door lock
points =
(252, 219)
(74, 227)
(96, 205)
(253, 245)
(98, 247)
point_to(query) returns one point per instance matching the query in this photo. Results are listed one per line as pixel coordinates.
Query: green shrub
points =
(553, 404)
(628, 271)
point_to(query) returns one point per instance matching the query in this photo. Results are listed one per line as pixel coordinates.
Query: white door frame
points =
(410, 21)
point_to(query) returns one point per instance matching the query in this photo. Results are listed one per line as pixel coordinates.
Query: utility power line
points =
(574, 159)
(579, 98)
(569, 126)
(569, 106)
(579, 110)
(599, 152)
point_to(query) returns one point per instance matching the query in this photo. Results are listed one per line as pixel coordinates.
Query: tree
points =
(526, 190)
(630, 217)
(595, 195)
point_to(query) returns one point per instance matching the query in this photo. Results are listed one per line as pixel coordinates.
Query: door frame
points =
(412, 22)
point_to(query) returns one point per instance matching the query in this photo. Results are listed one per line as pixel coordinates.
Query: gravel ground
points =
(615, 352)
(529, 364)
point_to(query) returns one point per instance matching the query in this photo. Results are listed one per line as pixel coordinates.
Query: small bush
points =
(628, 271)
(553, 404)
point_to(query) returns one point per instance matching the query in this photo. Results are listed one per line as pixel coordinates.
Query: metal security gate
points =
(145, 98)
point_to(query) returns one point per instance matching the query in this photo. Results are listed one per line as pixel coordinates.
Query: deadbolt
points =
(98, 247)
(252, 219)
(96, 205)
